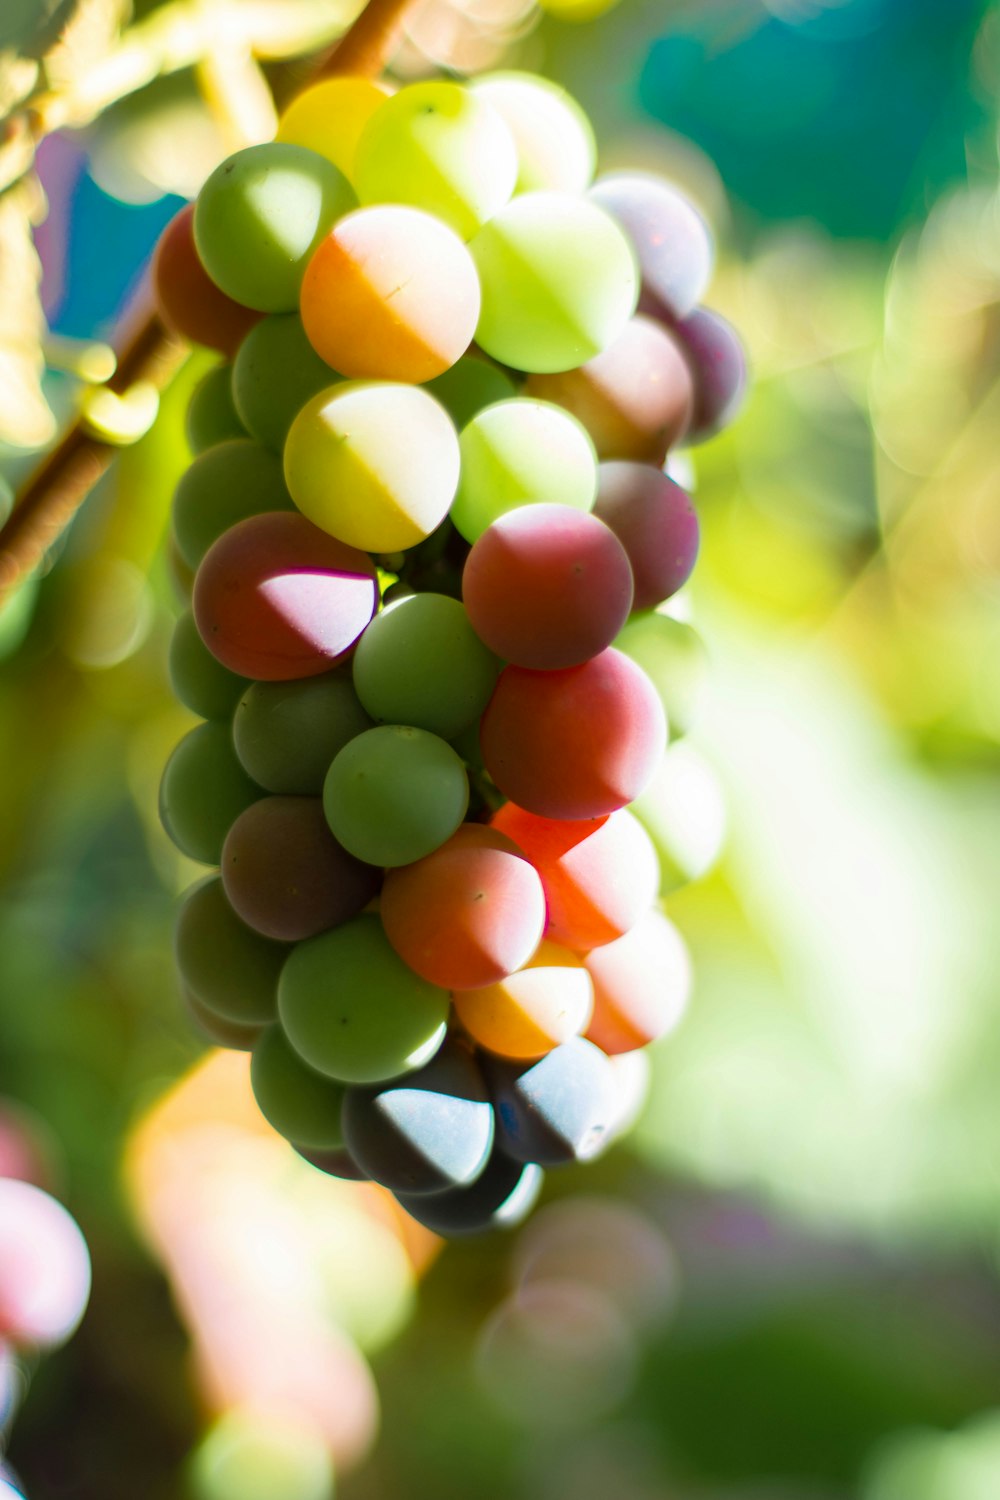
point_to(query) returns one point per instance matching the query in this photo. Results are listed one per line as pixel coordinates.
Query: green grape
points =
(518, 452)
(287, 733)
(298, 1102)
(674, 658)
(260, 216)
(202, 684)
(203, 791)
(559, 282)
(394, 794)
(275, 373)
(420, 662)
(468, 386)
(225, 964)
(556, 149)
(354, 1011)
(211, 416)
(224, 485)
(437, 146)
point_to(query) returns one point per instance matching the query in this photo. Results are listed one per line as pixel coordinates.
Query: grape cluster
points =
(428, 499)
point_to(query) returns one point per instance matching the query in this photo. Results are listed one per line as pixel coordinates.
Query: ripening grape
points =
(427, 1132)
(226, 967)
(275, 372)
(642, 982)
(276, 598)
(224, 485)
(339, 1163)
(599, 875)
(467, 915)
(558, 281)
(211, 416)
(260, 216)
(439, 147)
(420, 662)
(532, 1011)
(674, 658)
(187, 300)
(655, 522)
(558, 1109)
(287, 733)
(330, 116)
(671, 239)
(286, 875)
(395, 793)
(300, 1103)
(353, 1010)
(719, 368)
(390, 294)
(203, 789)
(635, 398)
(469, 385)
(556, 149)
(578, 743)
(501, 1197)
(517, 453)
(233, 1035)
(373, 463)
(201, 683)
(547, 586)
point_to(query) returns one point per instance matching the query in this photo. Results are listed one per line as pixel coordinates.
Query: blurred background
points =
(784, 1285)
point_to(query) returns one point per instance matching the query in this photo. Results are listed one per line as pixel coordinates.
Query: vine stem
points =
(65, 477)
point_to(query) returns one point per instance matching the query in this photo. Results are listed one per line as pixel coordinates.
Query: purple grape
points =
(718, 364)
(502, 1196)
(671, 239)
(655, 522)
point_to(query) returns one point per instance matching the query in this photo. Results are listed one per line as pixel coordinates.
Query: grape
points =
(275, 373)
(502, 1196)
(515, 453)
(190, 304)
(469, 914)
(420, 662)
(373, 463)
(558, 282)
(225, 485)
(260, 216)
(655, 522)
(598, 875)
(468, 386)
(577, 743)
(211, 416)
(635, 398)
(642, 982)
(10, 1486)
(203, 789)
(674, 658)
(555, 141)
(546, 586)
(439, 147)
(227, 968)
(671, 238)
(214, 1029)
(330, 116)
(339, 1163)
(45, 1283)
(202, 684)
(287, 733)
(427, 1132)
(276, 598)
(719, 369)
(392, 294)
(556, 1110)
(684, 812)
(286, 875)
(395, 793)
(353, 1009)
(301, 1104)
(532, 1011)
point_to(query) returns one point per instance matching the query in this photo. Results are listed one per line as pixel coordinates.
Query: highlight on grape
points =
(432, 540)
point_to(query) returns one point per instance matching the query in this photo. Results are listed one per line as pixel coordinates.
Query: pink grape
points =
(671, 239)
(547, 586)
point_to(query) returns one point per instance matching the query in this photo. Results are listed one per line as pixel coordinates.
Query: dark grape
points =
(501, 1197)
(718, 364)
(187, 299)
(228, 1034)
(338, 1163)
(556, 1110)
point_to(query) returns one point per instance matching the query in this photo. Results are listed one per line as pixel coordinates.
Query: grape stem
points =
(56, 489)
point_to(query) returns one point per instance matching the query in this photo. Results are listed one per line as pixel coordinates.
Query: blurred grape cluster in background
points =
(784, 1285)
